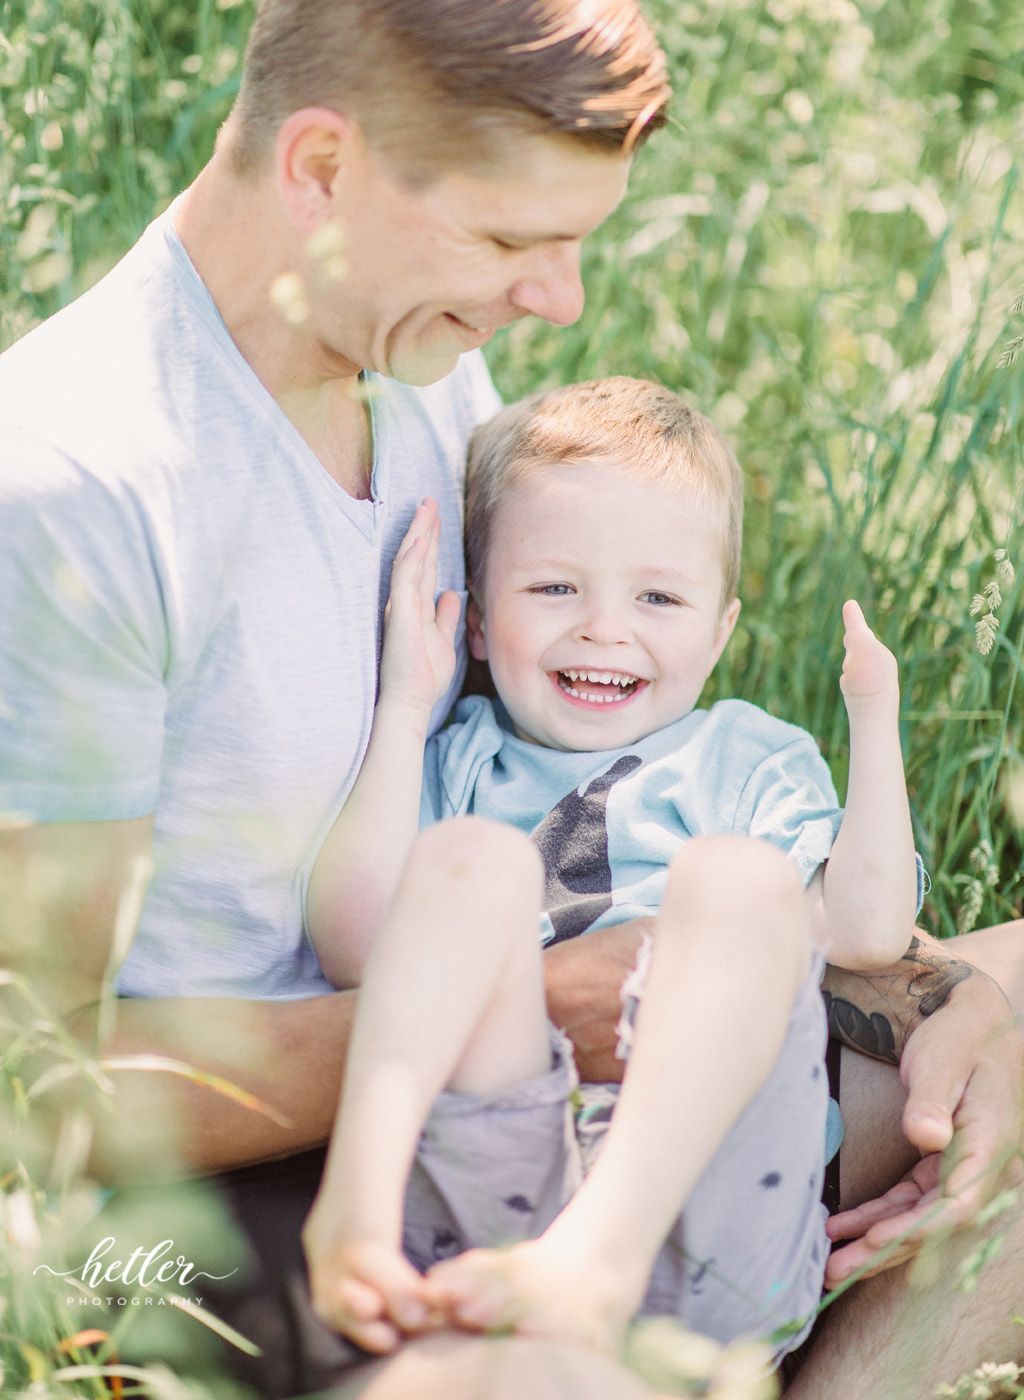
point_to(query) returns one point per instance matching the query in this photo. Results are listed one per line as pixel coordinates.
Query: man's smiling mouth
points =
(470, 325)
(598, 687)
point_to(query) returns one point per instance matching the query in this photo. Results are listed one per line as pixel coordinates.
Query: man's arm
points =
(876, 1012)
(64, 890)
(583, 977)
(954, 1035)
(61, 888)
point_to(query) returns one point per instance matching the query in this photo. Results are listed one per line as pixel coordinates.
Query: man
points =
(207, 464)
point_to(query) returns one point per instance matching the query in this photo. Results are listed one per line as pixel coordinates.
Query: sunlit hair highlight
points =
(437, 86)
(627, 425)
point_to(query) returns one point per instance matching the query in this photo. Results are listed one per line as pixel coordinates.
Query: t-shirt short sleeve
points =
(82, 645)
(789, 800)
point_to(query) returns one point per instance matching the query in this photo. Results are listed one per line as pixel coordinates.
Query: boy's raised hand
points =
(418, 659)
(870, 678)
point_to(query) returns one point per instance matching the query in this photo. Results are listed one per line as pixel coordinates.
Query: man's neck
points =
(238, 240)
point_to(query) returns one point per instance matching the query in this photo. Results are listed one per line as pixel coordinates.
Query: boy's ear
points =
(475, 630)
(726, 624)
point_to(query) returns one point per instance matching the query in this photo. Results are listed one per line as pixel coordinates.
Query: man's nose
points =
(553, 290)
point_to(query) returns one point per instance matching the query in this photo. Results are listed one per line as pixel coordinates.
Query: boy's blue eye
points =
(552, 590)
(660, 600)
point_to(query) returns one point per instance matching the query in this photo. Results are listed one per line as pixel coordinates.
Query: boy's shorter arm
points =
(870, 890)
(870, 878)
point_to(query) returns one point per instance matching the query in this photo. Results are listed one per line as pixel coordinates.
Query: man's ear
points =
(726, 624)
(314, 145)
(475, 630)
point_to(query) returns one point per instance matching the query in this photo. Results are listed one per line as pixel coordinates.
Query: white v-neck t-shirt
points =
(191, 609)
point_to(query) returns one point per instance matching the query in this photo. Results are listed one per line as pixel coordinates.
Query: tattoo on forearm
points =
(934, 976)
(912, 989)
(871, 1035)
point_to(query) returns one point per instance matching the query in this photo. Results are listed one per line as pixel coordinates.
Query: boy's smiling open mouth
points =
(598, 687)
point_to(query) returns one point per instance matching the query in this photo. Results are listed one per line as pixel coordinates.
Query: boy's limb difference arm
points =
(870, 882)
(583, 977)
(63, 887)
(952, 1032)
(358, 868)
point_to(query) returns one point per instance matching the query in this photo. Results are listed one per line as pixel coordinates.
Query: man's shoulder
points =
(107, 380)
(106, 322)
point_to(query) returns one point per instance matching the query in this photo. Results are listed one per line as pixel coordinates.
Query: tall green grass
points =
(822, 250)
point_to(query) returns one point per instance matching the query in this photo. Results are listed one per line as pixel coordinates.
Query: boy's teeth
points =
(600, 677)
(624, 685)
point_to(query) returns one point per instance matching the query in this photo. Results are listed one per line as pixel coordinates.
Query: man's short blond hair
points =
(630, 425)
(436, 84)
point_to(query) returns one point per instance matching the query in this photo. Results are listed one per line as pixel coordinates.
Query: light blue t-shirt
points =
(609, 823)
(191, 609)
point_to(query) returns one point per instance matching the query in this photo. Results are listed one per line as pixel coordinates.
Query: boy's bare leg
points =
(452, 994)
(585, 1277)
(885, 1331)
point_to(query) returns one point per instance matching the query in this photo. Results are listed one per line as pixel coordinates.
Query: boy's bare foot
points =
(370, 1292)
(535, 1290)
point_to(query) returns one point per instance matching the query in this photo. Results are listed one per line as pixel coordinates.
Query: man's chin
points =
(421, 369)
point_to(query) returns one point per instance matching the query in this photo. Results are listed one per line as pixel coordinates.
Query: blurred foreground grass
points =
(822, 250)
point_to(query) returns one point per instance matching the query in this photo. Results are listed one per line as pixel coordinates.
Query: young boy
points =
(603, 537)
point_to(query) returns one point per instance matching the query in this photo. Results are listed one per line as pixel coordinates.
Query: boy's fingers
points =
(449, 606)
(428, 575)
(423, 521)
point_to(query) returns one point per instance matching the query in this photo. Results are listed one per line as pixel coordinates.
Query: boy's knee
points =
(728, 868)
(480, 851)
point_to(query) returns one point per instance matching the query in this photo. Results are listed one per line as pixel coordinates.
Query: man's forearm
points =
(288, 1055)
(875, 1012)
(582, 980)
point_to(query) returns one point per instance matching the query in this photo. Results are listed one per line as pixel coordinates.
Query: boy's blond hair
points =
(638, 428)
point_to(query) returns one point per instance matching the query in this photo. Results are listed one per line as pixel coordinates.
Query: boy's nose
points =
(605, 626)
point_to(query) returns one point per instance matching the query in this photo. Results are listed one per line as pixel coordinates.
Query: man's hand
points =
(582, 978)
(418, 659)
(963, 1071)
